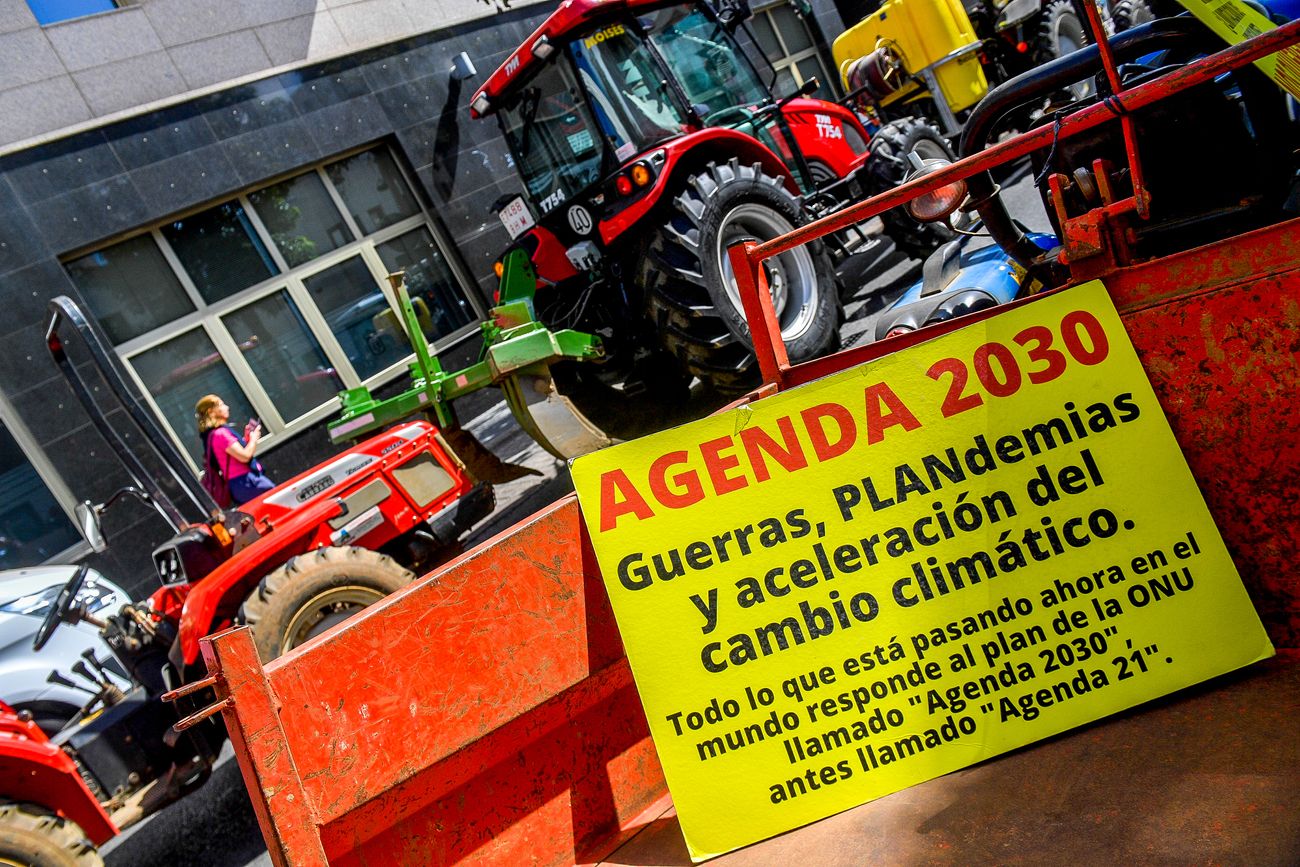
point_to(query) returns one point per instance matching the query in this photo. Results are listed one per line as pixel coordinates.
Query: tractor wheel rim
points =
(326, 609)
(791, 276)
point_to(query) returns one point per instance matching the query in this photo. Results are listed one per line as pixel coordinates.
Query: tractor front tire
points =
(888, 166)
(691, 293)
(33, 837)
(314, 591)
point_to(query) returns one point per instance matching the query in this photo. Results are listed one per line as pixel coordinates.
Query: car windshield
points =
(93, 594)
(553, 137)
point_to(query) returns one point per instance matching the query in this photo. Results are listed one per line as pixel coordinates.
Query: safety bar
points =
(747, 257)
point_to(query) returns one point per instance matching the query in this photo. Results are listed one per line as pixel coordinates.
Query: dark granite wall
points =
(79, 192)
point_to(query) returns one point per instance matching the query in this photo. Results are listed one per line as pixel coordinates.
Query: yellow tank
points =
(921, 32)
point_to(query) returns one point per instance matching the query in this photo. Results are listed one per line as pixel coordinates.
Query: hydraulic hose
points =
(1183, 33)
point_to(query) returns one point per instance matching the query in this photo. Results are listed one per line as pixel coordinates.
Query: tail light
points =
(635, 177)
(937, 204)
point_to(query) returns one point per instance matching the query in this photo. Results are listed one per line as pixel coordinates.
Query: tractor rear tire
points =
(1127, 14)
(313, 591)
(691, 294)
(888, 166)
(33, 837)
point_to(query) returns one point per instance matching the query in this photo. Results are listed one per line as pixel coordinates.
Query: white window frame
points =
(788, 60)
(208, 316)
(49, 477)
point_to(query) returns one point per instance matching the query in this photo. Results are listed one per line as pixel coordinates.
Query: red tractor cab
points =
(647, 142)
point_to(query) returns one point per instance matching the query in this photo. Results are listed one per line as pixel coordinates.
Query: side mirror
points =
(88, 521)
(462, 67)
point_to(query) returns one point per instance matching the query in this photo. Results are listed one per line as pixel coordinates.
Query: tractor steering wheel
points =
(62, 610)
(731, 115)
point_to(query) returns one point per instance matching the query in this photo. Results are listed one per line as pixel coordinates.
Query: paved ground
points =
(215, 827)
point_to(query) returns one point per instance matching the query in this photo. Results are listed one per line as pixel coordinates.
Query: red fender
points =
(717, 144)
(35, 771)
(231, 582)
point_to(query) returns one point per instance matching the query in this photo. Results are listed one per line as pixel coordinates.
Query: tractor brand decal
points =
(548, 204)
(580, 220)
(601, 35)
(909, 567)
(311, 489)
(512, 65)
(828, 127)
(320, 481)
(1235, 21)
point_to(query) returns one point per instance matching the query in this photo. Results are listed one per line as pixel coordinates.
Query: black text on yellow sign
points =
(909, 567)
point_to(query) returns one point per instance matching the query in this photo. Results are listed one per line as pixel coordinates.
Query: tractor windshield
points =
(714, 73)
(554, 139)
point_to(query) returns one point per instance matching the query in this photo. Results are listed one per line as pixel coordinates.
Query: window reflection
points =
(130, 288)
(358, 314)
(302, 219)
(33, 527)
(288, 361)
(179, 372)
(443, 308)
(373, 189)
(220, 251)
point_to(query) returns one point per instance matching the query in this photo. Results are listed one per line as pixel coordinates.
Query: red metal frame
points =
(746, 259)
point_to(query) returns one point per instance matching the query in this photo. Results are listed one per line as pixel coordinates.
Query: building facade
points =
(223, 186)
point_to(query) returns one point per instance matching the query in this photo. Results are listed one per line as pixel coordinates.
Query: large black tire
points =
(1060, 32)
(888, 166)
(313, 591)
(1127, 14)
(33, 837)
(690, 292)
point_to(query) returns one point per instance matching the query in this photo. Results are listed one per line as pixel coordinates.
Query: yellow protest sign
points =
(1235, 21)
(908, 567)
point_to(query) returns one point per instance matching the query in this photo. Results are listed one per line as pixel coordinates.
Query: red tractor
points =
(647, 143)
(290, 564)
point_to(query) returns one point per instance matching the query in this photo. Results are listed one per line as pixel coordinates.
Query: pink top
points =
(222, 439)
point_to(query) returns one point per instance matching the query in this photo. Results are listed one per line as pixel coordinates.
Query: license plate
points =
(516, 217)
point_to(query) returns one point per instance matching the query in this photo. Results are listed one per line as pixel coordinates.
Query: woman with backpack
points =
(229, 465)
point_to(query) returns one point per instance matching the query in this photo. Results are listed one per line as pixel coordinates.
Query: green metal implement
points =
(516, 346)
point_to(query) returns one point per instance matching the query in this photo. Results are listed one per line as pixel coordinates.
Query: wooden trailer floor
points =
(1208, 776)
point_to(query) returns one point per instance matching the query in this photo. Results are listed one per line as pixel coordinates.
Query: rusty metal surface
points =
(1210, 775)
(1223, 364)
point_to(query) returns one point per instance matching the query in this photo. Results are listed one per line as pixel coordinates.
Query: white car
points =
(25, 598)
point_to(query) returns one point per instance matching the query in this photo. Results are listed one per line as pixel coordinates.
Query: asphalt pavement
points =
(215, 826)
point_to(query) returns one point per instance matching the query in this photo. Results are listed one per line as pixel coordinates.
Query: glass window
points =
(429, 279)
(287, 360)
(355, 309)
(220, 251)
(175, 299)
(302, 219)
(130, 288)
(712, 68)
(33, 527)
(553, 138)
(765, 36)
(54, 11)
(373, 189)
(179, 372)
(792, 29)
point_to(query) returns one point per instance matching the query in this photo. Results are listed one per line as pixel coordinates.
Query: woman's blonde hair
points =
(203, 412)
